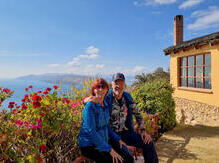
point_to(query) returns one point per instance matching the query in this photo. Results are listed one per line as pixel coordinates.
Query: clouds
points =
(54, 65)
(205, 19)
(153, 2)
(91, 56)
(75, 62)
(189, 3)
(184, 5)
(89, 64)
(138, 69)
(92, 53)
(92, 50)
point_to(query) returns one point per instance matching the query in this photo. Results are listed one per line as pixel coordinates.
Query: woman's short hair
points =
(99, 81)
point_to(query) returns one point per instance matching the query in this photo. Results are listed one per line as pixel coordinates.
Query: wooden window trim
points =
(202, 90)
(194, 66)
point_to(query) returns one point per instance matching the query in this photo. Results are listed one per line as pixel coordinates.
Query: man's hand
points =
(122, 143)
(146, 137)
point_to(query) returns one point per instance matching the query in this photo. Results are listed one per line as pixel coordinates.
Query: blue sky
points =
(92, 37)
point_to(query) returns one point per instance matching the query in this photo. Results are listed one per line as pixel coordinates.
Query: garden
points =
(45, 127)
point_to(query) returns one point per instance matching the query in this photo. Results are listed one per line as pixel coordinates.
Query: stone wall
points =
(193, 112)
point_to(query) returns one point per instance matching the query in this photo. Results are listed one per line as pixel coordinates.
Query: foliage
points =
(156, 97)
(159, 73)
(44, 128)
(4, 94)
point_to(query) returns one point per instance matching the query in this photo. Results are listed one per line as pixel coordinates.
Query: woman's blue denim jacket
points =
(95, 129)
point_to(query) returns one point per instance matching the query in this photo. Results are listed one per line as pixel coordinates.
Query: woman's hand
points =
(146, 137)
(91, 98)
(116, 157)
(121, 143)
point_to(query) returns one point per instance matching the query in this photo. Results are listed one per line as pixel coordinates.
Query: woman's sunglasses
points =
(99, 86)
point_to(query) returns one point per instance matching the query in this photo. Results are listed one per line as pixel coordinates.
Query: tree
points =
(159, 73)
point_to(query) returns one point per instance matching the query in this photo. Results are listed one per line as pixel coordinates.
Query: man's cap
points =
(118, 76)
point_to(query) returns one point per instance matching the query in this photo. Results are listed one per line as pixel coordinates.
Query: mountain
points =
(56, 78)
(69, 78)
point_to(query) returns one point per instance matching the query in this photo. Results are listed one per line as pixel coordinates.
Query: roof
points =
(213, 37)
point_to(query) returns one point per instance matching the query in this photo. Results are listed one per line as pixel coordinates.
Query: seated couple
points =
(107, 125)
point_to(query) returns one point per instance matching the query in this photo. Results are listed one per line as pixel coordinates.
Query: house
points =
(194, 74)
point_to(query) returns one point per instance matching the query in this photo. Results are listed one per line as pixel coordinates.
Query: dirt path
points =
(192, 144)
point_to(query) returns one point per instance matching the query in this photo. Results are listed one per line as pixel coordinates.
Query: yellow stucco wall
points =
(213, 98)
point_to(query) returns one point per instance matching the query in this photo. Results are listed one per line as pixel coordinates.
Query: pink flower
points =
(18, 123)
(6, 90)
(26, 123)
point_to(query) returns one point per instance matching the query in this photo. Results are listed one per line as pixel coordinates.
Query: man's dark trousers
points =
(133, 138)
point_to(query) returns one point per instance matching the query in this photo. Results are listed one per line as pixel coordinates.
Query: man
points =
(122, 108)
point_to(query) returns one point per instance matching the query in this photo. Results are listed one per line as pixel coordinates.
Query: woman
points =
(95, 130)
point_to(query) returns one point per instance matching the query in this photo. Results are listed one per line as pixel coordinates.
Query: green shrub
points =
(44, 128)
(154, 97)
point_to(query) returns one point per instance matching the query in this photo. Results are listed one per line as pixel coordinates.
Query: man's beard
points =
(117, 93)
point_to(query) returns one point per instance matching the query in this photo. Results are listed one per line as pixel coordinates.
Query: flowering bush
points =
(4, 94)
(156, 97)
(44, 127)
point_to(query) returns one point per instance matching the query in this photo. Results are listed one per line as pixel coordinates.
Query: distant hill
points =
(68, 78)
(56, 78)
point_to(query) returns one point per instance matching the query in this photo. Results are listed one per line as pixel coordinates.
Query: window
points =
(195, 71)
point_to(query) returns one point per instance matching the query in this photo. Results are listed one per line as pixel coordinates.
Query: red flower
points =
(26, 89)
(67, 101)
(11, 103)
(23, 100)
(48, 89)
(30, 86)
(36, 98)
(36, 104)
(55, 86)
(42, 114)
(43, 147)
(14, 111)
(26, 96)
(24, 106)
(40, 159)
(45, 92)
(39, 92)
(10, 106)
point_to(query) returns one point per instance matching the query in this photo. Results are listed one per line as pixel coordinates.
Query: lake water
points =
(18, 86)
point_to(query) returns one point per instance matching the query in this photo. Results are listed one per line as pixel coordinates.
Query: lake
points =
(18, 86)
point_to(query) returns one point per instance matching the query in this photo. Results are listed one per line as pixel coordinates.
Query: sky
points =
(95, 37)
